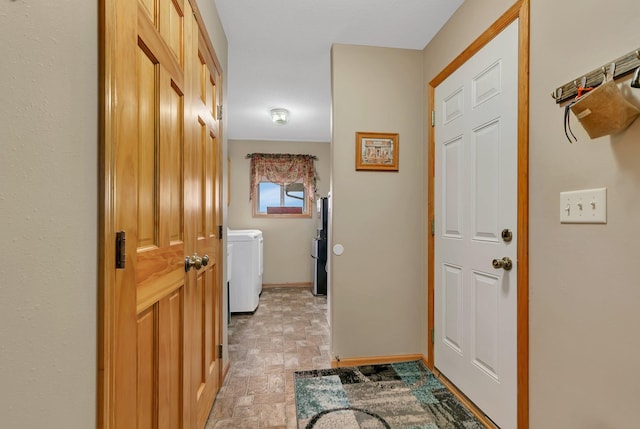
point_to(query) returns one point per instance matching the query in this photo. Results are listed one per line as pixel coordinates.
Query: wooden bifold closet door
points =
(161, 314)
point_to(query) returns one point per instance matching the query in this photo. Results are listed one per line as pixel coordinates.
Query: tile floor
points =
(288, 332)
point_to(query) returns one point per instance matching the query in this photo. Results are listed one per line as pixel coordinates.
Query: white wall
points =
(48, 213)
(378, 293)
(287, 241)
(584, 286)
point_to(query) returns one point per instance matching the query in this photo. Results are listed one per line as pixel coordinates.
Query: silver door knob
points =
(194, 261)
(504, 263)
(205, 260)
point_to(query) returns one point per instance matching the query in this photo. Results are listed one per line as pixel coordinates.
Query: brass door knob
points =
(504, 263)
(194, 261)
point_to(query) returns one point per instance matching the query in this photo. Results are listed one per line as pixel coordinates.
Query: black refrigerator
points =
(319, 250)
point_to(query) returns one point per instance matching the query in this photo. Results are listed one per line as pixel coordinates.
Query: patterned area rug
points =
(399, 395)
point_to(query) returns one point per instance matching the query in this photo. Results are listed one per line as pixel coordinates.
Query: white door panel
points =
(485, 179)
(475, 188)
(452, 297)
(484, 338)
(453, 106)
(453, 167)
(487, 84)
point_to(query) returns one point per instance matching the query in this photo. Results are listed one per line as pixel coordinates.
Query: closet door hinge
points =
(433, 118)
(433, 339)
(219, 232)
(219, 351)
(433, 226)
(219, 112)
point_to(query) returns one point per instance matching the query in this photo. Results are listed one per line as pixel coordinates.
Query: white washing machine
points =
(246, 269)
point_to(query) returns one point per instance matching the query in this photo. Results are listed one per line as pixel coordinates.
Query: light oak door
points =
(161, 309)
(476, 166)
(160, 199)
(206, 168)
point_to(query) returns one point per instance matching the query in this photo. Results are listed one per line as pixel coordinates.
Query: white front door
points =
(476, 162)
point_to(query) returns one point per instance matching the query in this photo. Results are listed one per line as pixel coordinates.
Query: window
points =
(273, 198)
(282, 185)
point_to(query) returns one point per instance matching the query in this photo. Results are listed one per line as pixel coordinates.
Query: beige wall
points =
(48, 214)
(584, 286)
(287, 242)
(378, 293)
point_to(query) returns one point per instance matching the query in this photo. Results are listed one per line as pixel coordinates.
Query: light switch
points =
(586, 206)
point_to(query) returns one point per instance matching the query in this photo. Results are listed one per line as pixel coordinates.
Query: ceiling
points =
(279, 56)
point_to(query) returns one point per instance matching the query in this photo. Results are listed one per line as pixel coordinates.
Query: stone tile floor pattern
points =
(288, 332)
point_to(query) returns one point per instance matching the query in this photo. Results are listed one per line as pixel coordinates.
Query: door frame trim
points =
(520, 10)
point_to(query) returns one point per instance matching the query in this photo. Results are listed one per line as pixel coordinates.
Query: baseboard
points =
(274, 285)
(338, 363)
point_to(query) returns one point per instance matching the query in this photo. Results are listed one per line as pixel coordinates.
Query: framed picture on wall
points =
(377, 151)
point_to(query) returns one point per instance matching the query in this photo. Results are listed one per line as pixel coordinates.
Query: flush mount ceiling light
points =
(279, 116)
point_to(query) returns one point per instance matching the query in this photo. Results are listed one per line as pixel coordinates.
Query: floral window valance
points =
(282, 169)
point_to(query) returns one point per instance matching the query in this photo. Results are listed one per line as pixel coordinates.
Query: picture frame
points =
(377, 151)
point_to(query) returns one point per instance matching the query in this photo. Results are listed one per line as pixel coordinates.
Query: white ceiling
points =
(279, 56)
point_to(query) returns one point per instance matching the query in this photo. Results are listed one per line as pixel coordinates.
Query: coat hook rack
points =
(616, 68)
